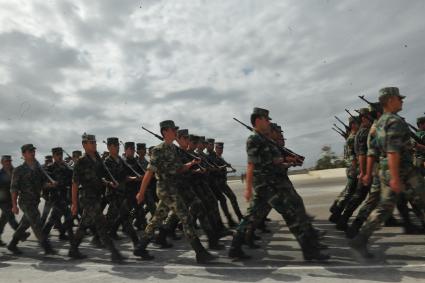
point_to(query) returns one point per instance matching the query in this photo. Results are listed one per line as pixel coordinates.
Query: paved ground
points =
(400, 258)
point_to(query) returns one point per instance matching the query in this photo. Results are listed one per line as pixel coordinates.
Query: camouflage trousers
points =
(414, 192)
(350, 188)
(372, 200)
(7, 216)
(92, 216)
(286, 202)
(59, 208)
(31, 218)
(175, 203)
(197, 210)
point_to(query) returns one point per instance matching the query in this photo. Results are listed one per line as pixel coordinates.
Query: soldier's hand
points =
(248, 194)
(15, 210)
(140, 198)
(395, 185)
(74, 210)
(113, 185)
(366, 179)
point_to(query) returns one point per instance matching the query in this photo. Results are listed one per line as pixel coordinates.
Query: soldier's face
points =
(129, 152)
(183, 141)
(262, 123)
(90, 146)
(219, 150)
(6, 164)
(395, 104)
(29, 155)
(170, 133)
(141, 152)
(210, 147)
(113, 149)
(57, 157)
(421, 126)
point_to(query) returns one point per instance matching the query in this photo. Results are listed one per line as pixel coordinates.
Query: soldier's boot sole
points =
(75, 254)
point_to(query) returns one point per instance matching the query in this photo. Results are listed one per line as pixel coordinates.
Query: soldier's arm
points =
(14, 189)
(249, 178)
(144, 186)
(394, 167)
(74, 193)
(395, 144)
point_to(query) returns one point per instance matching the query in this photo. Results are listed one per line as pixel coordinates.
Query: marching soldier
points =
(91, 173)
(396, 173)
(62, 174)
(264, 188)
(27, 182)
(168, 169)
(5, 196)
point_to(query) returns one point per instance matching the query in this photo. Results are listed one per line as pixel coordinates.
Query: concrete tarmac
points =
(399, 257)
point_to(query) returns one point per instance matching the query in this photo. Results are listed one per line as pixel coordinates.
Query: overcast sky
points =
(108, 67)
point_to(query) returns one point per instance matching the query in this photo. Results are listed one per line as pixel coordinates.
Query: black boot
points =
(392, 222)
(202, 256)
(95, 241)
(235, 250)
(2, 244)
(342, 223)
(354, 229)
(249, 240)
(310, 249)
(13, 246)
(231, 222)
(116, 256)
(47, 247)
(335, 214)
(161, 239)
(359, 246)
(411, 229)
(213, 242)
(25, 236)
(74, 253)
(141, 251)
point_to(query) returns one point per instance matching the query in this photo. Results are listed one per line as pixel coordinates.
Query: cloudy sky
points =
(108, 67)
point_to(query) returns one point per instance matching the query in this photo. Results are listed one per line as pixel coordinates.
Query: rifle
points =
(412, 134)
(177, 148)
(341, 130)
(354, 118)
(286, 150)
(347, 128)
(69, 166)
(340, 133)
(45, 172)
(107, 169)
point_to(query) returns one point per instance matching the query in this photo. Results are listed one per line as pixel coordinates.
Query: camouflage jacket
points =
(89, 173)
(262, 153)
(349, 154)
(119, 171)
(165, 163)
(63, 175)
(360, 141)
(420, 153)
(372, 146)
(5, 180)
(393, 135)
(28, 181)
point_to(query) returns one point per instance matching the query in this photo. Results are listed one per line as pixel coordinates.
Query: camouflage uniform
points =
(392, 135)
(420, 154)
(166, 164)
(350, 188)
(5, 202)
(28, 182)
(269, 190)
(59, 198)
(90, 173)
(361, 192)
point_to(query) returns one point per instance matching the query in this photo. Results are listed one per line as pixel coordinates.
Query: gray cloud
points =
(108, 67)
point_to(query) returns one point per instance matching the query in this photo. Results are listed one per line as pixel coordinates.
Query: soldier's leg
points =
(233, 200)
(349, 191)
(128, 228)
(356, 200)
(376, 219)
(46, 210)
(370, 204)
(223, 203)
(3, 221)
(18, 235)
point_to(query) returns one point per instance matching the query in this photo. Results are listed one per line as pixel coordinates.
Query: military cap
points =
(183, 133)
(219, 144)
(77, 153)
(193, 138)
(390, 91)
(420, 120)
(168, 124)
(112, 141)
(28, 146)
(57, 150)
(364, 111)
(140, 146)
(201, 138)
(261, 112)
(354, 119)
(48, 157)
(88, 137)
(129, 145)
(211, 141)
(6, 158)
